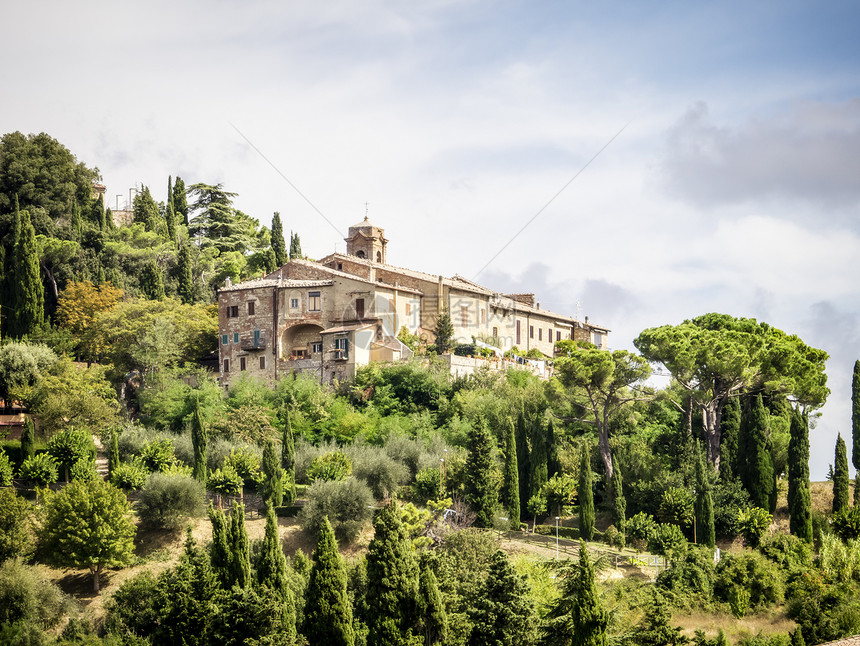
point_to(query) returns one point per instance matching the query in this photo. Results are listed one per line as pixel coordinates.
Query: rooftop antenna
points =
(366, 204)
(578, 310)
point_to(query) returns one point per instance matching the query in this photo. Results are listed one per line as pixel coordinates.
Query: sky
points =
(637, 163)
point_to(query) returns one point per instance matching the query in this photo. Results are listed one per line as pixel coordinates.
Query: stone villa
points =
(332, 316)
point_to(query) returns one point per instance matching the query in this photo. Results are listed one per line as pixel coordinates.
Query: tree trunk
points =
(605, 452)
(711, 417)
(96, 570)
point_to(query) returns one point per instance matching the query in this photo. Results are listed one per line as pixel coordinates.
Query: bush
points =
(40, 469)
(331, 466)
(614, 538)
(754, 523)
(676, 506)
(823, 612)
(27, 595)
(16, 515)
(382, 474)
(747, 580)
(132, 439)
(168, 499)
(641, 529)
(225, 481)
(346, 503)
(5, 470)
(426, 485)
(70, 447)
(846, 523)
(84, 470)
(668, 541)
(157, 455)
(246, 463)
(838, 560)
(789, 552)
(730, 497)
(129, 475)
(691, 575)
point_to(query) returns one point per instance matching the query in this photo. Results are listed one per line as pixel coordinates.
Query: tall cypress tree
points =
(279, 245)
(199, 442)
(273, 483)
(855, 416)
(272, 565)
(288, 459)
(113, 455)
(432, 617)
(553, 466)
(28, 439)
(523, 466)
(619, 503)
(704, 507)
(504, 612)
(328, 612)
(758, 479)
(240, 560)
(480, 493)
(184, 275)
(295, 246)
(586, 496)
(511, 492)
(180, 200)
(840, 476)
(731, 430)
(799, 502)
(28, 302)
(537, 461)
(220, 554)
(392, 582)
(170, 211)
(151, 282)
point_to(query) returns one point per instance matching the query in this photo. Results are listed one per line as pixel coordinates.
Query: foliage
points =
(790, 553)
(839, 561)
(382, 474)
(855, 415)
(757, 473)
(157, 455)
(328, 612)
(27, 311)
(22, 365)
(16, 531)
(432, 616)
(225, 481)
(747, 580)
(331, 466)
(69, 447)
(668, 541)
(273, 479)
(705, 528)
(443, 332)
(505, 612)
(27, 595)
(343, 503)
(167, 500)
(511, 483)
(199, 438)
(80, 304)
(656, 630)
(799, 502)
(40, 469)
(730, 498)
(586, 496)
(840, 476)
(129, 475)
(677, 505)
(240, 563)
(824, 612)
(481, 488)
(87, 524)
(5, 470)
(641, 528)
(754, 523)
(690, 575)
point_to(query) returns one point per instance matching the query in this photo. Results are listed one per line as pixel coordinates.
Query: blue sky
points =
(733, 187)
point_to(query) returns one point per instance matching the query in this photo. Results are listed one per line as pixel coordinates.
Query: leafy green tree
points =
(481, 494)
(586, 496)
(840, 476)
(41, 469)
(5, 470)
(279, 246)
(69, 447)
(216, 223)
(273, 477)
(180, 200)
(432, 616)
(504, 612)
(328, 612)
(716, 356)
(28, 439)
(240, 563)
(729, 437)
(511, 493)
(704, 504)
(758, 474)
(799, 501)
(88, 525)
(199, 440)
(855, 415)
(184, 274)
(601, 383)
(16, 520)
(392, 581)
(168, 499)
(537, 461)
(21, 367)
(443, 332)
(295, 246)
(553, 465)
(170, 213)
(27, 312)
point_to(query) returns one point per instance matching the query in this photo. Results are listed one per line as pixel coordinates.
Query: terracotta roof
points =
(274, 282)
(846, 641)
(347, 328)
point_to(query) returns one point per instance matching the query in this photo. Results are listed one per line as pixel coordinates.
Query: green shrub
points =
(570, 533)
(747, 580)
(668, 541)
(824, 612)
(84, 470)
(132, 439)
(246, 463)
(774, 639)
(641, 529)
(40, 469)
(690, 576)
(378, 471)
(846, 523)
(5, 470)
(789, 552)
(157, 455)
(129, 475)
(839, 560)
(614, 538)
(69, 447)
(754, 523)
(331, 466)
(426, 485)
(168, 499)
(16, 515)
(676, 506)
(27, 595)
(730, 497)
(346, 503)
(225, 481)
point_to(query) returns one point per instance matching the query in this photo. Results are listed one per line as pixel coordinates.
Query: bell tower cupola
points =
(366, 241)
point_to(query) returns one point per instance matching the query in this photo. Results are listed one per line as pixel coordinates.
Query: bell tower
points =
(366, 241)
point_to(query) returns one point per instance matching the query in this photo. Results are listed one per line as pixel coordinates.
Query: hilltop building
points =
(332, 316)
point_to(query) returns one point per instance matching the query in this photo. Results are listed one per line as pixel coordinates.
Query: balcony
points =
(253, 343)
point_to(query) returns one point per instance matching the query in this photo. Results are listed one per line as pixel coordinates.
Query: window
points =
(225, 339)
(464, 315)
(549, 335)
(359, 308)
(226, 365)
(597, 339)
(294, 303)
(250, 308)
(299, 353)
(540, 334)
(531, 331)
(496, 333)
(483, 316)
(519, 340)
(316, 346)
(241, 363)
(558, 335)
(341, 348)
(235, 337)
(262, 363)
(232, 311)
(408, 309)
(313, 301)
(340, 266)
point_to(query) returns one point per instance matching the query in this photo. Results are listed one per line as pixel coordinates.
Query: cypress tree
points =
(220, 555)
(504, 612)
(113, 456)
(840, 476)
(657, 629)
(392, 582)
(797, 638)
(759, 472)
(151, 282)
(273, 483)
(432, 618)
(180, 200)
(145, 210)
(523, 466)
(272, 565)
(511, 492)
(553, 466)
(704, 507)
(799, 502)
(288, 459)
(537, 462)
(731, 429)
(295, 246)
(586, 496)
(170, 221)
(9, 288)
(199, 443)
(480, 494)
(619, 503)
(28, 309)
(185, 278)
(855, 416)
(279, 246)
(240, 563)
(28, 439)
(328, 612)
(443, 332)
(98, 212)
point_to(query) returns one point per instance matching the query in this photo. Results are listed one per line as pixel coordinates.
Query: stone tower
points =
(366, 241)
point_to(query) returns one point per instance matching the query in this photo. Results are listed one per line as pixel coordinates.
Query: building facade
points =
(329, 317)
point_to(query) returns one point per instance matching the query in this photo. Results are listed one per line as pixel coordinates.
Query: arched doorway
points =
(302, 341)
